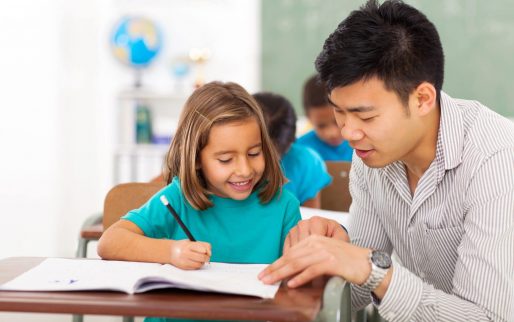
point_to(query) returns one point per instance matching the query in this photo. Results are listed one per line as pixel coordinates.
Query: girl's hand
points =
(186, 254)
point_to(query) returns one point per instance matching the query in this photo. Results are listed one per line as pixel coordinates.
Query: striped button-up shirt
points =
(454, 238)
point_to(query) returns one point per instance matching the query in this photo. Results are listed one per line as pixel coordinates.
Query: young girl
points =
(224, 181)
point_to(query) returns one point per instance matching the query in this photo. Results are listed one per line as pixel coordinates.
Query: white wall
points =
(59, 104)
(29, 130)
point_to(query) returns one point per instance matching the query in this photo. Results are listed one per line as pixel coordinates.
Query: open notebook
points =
(58, 274)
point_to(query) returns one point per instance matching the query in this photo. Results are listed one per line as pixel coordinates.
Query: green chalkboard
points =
(477, 37)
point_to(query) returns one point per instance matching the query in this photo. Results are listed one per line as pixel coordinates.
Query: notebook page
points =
(59, 274)
(219, 277)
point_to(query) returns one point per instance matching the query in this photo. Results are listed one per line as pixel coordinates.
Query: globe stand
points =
(138, 78)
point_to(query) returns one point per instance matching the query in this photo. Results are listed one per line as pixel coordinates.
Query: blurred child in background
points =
(305, 170)
(326, 137)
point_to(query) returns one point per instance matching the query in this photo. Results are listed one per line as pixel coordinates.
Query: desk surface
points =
(302, 304)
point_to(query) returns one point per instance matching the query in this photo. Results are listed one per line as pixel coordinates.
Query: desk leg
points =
(336, 302)
(78, 318)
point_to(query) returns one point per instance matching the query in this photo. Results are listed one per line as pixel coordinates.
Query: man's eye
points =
(367, 119)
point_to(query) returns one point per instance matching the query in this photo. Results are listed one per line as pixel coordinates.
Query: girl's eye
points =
(255, 154)
(224, 161)
(368, 119)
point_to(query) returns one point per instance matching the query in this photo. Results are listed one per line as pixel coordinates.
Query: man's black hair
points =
(280, 119)
(393, 41)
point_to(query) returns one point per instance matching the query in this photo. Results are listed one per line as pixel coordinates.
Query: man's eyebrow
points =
(356, 109)
(360, 109)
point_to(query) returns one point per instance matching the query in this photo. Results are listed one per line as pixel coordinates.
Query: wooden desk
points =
(303, 304)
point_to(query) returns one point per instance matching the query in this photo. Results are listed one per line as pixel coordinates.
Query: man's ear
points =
(426, 97)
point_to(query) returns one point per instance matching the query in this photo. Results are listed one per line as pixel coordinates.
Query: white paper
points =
(57, 274)
(341, 217)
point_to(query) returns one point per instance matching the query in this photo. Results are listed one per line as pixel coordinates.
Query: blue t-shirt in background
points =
(341, 152)
(239, 231)
(306, 172)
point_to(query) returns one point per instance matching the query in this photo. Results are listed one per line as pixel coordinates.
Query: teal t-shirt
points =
(306, 172)
(341, 152)
(239, 231)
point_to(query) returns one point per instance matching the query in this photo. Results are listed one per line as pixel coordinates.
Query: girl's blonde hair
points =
(212, 104)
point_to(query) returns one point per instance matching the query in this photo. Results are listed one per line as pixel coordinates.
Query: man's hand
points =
(314, 226)
(316, 256)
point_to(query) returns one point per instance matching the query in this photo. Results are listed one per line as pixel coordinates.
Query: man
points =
(433, 180)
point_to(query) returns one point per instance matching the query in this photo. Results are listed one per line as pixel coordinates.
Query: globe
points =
(136, 41)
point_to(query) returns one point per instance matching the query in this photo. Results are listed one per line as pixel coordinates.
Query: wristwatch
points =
(380, 263)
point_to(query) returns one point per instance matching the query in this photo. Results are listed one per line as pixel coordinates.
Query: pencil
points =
(165, 202)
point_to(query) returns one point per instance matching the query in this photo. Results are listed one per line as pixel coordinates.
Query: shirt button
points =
(422, 275)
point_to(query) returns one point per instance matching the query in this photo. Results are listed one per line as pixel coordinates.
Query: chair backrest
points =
(337, 196)
(125, 197)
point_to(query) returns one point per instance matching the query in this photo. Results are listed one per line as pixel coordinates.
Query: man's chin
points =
(376, 164)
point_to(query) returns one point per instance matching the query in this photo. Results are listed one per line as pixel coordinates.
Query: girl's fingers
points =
(201, 248)
(191, 264)
(198, 257)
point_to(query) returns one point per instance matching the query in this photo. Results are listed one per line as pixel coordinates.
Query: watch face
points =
(381, 259)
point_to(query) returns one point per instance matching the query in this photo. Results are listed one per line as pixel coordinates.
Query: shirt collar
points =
(451, 132)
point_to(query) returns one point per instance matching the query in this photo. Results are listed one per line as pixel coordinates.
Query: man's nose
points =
(351, 133)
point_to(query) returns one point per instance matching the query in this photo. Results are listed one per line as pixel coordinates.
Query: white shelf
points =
(140, 162)
(142, 150)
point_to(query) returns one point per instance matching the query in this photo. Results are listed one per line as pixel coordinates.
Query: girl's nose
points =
(243, 168)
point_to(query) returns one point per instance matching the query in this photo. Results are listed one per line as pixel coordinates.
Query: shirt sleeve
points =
(153, 218)
(365, 229)
(483, 282)
(314, 178)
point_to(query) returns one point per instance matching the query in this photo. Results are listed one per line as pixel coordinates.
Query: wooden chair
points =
(337, 196)
(119, 200)
(125, 197)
